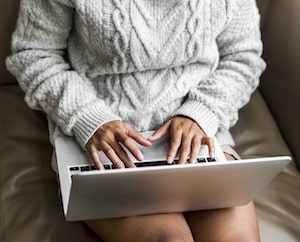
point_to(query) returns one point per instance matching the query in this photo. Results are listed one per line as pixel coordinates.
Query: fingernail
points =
(170, 160)
(149, 142)
(141, 156)
(154, 136)
(149, 138)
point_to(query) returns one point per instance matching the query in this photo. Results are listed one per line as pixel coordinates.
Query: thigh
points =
(160, 227)
(230, 224)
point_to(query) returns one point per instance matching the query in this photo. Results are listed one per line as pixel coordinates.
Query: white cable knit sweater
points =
(88, 62)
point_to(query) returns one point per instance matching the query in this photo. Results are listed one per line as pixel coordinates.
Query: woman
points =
(104, 70)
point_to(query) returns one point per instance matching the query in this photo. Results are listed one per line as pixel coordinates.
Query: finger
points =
(123, 157)
(162, 131)
(126, 141)
(132, 148)
(132, 133)
(113, 156)
(175, 143)
(185, 149)
(196, 145)
(211, 147)
(93, 154)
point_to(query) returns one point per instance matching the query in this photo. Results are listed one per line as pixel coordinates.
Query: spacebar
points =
(152, 163)
(160, 163)
(164, 162)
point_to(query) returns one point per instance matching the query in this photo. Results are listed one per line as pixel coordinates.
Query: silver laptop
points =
(155, 186)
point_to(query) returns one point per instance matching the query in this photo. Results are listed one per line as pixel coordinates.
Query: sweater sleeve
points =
(38, 61)
(215, 102)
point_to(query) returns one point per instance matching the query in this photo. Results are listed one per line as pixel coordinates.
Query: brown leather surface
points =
(29, 208)
(257, 134)
(8, 16)
(263, 6)
(280, 84)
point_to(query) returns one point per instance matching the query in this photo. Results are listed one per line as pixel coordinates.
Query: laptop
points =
(155, 186)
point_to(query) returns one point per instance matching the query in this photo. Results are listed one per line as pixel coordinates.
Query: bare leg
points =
(225, 225)
(160, 227)
(233, 224)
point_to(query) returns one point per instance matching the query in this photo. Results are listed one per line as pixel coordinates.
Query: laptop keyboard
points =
(85, 168)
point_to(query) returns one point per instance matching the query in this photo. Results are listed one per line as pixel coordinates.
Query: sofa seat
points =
(30, 209)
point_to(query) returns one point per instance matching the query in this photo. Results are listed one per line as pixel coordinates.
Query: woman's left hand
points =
(186, 136)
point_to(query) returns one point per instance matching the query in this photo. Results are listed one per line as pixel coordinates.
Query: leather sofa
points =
(269, 125)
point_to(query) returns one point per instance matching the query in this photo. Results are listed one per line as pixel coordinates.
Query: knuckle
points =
(196, 142)
(118, 164)
(108, 150)
(123, 156)
(175, 141)
(185, 149)
(125, 140)
(118, 131)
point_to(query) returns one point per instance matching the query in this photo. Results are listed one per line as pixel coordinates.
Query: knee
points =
(245, 229)
(168, 238)
(244, 237)
(172, 235)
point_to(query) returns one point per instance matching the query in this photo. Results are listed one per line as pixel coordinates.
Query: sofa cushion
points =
(8, 16)
(280, 83)
(30, 209)
(256, 134)
(263, 6)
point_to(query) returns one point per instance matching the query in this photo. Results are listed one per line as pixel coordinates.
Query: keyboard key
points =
(74, 168)
(201, 160)
(84, 168)
(107, 167)
(93, 168)
(151, 163)
(211, 159)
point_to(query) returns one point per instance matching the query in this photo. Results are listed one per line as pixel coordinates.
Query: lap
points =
(158, 227)
(230, 224)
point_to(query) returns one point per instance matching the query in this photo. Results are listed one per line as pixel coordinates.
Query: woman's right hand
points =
(109, 137)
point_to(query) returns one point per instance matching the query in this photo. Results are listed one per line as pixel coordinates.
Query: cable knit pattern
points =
(88, 62)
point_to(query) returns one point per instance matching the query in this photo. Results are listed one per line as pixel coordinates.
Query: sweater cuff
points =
(90, 120)
(205, 118)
